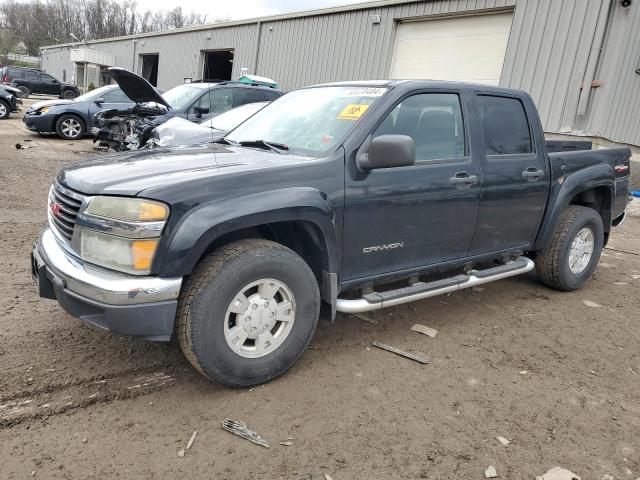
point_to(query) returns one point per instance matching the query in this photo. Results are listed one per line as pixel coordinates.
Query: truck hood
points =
(135, 87)
(132, 172)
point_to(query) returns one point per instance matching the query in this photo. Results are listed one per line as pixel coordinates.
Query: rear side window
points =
(31, 75)
(505, 125)
(433, 120)
(15, 73)
(270, 95)
(246, 95)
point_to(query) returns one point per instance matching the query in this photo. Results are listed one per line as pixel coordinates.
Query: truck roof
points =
(413, 84)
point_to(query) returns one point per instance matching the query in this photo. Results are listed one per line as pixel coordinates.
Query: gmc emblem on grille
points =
(55, 209)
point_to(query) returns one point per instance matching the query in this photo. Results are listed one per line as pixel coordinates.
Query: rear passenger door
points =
(408, 217)
(33, 79)
(515, 174)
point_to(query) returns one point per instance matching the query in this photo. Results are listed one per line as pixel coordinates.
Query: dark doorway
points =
(217, 65)
(150, 68)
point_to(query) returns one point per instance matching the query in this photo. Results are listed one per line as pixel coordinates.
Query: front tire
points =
(574, 251)
(69, 94)
(5, 110)
(248, 312)
(70, 127)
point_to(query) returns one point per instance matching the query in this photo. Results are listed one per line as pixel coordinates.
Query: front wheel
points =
(69, 127)
(248, 312)
(575, 248)
(5, 110)
(69, 94)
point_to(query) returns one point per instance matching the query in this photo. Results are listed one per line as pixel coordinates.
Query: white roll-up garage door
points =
(469, 49)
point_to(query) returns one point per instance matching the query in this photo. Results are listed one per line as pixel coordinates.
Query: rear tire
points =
(70, 127)
(248, 312)
(24, 92)
(5, 110)
(574, 251)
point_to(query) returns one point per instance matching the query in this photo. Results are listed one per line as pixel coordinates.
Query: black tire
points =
(69, 94)
(552, 263)
(64, 132)
(209, 292)
(24, 91)
(5, 111)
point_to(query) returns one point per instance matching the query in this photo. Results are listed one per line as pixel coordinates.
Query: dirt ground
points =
(76, 402)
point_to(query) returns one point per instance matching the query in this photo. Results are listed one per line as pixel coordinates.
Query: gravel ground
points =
(76, 402)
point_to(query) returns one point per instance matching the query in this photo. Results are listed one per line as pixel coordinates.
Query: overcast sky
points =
(238, 9)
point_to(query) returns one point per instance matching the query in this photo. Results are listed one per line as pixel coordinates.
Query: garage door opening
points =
(468, 49)
(218, 65)
(150, 68)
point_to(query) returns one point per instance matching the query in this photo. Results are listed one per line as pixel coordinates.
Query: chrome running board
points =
(422, 290)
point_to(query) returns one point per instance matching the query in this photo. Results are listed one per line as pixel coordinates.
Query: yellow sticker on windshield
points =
(352, 111)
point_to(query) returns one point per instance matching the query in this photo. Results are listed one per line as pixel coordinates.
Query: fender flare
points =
(565, 188)
(199, 228)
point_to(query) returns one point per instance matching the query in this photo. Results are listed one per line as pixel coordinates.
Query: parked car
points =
(180, 132)
(9, 101)
(32, 80)
(347, 197)
(71, 119)
(130, 128)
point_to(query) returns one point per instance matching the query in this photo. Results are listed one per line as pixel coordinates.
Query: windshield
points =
(181, 96)
(229, 120)
(310, 121)
(95, 93)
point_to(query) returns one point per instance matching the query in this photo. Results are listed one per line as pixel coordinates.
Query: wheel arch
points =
(592, 187)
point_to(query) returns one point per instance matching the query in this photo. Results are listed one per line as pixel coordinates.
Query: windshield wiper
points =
(276, 147)
(225, 141)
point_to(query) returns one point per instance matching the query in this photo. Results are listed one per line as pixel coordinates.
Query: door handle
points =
(463, 178)
(532, 174)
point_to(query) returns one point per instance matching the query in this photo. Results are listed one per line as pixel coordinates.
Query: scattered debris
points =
(397, 351)
(286, 443)
(503, 441)
(364, 318)
(607, 476)
(20, 146)
(428, 331)
(327, 476)
(85, 440)
(635, 277)
(490, 472)
(557, 473)
(192, 439)
(591, 304)
(523, 372)
(181, 453)
(240, 429)
(477, 289)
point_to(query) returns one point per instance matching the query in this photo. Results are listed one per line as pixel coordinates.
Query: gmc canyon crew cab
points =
(345, 197)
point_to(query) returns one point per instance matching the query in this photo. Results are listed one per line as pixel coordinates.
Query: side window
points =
(47, 78)
(34, 76)
(270, 95)
(246, 95)
(15, 73)
(505, 125)
(116, 96)
(202, 102)
(433, 120)
(220, 99)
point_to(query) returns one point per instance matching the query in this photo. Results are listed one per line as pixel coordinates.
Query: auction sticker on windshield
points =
(365, 92)
(352, 111)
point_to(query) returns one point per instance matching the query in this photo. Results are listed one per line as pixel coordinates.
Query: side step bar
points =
(422, 290)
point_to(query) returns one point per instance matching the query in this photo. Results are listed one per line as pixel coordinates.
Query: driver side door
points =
(49, 84)
(213, 102)
(403, 218)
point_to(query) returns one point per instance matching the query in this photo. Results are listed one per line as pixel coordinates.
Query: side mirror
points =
(99, 101)
(201, 110)
(388, 151)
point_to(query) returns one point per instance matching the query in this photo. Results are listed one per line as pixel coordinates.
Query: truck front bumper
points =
(142, 306)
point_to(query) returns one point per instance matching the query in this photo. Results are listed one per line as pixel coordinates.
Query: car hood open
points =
(135, 87)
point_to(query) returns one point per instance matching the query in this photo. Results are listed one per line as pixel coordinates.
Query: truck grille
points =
(64, 206)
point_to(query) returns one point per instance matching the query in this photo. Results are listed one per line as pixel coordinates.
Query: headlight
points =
(128, 209)
(117, 253)
(44, 110)
(121, 233)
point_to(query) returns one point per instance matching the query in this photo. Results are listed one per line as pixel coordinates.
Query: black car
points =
(32, 80)
(8, 101)
(71, 119)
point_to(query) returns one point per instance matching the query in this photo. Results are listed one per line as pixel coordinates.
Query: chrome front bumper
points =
(126, 304)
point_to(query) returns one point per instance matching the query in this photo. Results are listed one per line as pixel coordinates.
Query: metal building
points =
(579, 59)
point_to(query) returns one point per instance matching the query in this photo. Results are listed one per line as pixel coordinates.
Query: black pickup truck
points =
(345, 197)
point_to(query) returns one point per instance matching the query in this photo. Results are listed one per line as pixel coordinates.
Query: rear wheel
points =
(575, 248)
(248, 312)
(24, 92)
(69, 127)
(5, 110)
